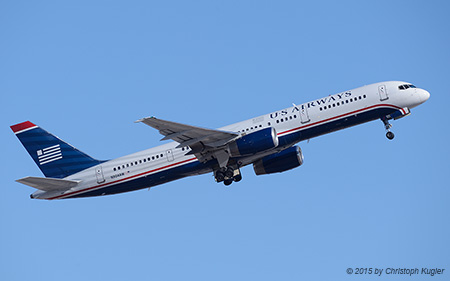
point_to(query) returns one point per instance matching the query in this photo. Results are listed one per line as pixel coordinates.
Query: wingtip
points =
(145, 118)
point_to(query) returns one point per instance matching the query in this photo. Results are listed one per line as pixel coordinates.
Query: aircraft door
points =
(383, 93)
(304, 117)
(169, 155)
(99, 174)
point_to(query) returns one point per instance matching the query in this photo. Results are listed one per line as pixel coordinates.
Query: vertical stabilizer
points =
(55, 157)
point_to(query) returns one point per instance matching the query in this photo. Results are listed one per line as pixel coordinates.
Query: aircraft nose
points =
(424, 96)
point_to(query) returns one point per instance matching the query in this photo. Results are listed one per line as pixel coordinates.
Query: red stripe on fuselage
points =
(337, 117)
(185, 161)
(121, 180)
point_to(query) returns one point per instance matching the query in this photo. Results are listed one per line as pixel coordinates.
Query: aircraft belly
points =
(344, 122)
(147, 181)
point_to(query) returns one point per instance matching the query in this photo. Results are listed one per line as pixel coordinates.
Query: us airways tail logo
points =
(49, 154)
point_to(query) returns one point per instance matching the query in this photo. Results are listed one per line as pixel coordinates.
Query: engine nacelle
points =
(254, 142)
(279, 162)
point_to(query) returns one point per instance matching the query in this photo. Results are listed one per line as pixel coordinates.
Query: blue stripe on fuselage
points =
(198, 167)
(149, 180)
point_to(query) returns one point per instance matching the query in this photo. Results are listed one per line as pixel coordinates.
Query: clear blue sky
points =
(86, 70)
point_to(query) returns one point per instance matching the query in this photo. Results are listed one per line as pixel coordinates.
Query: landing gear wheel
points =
(387, 126)
(237, 178)
(219, 176)
(228, 182)
(229, 172)
(390, 135)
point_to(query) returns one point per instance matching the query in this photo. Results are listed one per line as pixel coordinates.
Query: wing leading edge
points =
(187, 135)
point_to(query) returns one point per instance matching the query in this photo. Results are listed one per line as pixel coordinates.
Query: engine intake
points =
(287, 159)
(254, 142)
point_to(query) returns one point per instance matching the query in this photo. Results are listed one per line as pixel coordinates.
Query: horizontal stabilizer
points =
(48, 184)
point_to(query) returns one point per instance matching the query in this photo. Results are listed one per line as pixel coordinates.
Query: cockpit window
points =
(406, 86)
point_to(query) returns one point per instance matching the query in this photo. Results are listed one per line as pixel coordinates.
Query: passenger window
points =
(114, 169)
(118, 168)
(131, 164)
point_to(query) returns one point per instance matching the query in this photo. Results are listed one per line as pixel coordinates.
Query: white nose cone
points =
(424, 96)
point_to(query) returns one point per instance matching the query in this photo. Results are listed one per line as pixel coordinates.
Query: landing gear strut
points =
(390, 135)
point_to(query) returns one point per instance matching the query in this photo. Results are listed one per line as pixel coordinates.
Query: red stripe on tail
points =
(22, 126)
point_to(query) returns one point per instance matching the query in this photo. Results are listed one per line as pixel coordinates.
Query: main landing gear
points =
(390, 135)
(228, 175)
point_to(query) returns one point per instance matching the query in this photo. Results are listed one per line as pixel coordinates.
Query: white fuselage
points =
(292, 125)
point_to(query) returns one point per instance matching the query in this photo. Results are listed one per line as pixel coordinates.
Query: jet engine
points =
(287, 159)
(254, 142)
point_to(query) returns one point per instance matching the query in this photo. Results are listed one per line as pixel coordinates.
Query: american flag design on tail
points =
(49, 154)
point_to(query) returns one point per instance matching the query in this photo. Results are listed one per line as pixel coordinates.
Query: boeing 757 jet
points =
(267, 141)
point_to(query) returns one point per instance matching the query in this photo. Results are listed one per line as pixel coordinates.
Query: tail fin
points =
(55, 158)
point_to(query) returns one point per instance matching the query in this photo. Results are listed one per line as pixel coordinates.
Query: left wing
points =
(187, 135)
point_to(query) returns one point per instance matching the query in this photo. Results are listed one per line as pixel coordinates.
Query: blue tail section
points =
(55, 157)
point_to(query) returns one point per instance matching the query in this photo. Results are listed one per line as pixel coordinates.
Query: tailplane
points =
(48, 184)
(55, 157)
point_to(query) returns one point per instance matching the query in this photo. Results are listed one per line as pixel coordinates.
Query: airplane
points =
(269, 142)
